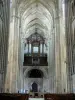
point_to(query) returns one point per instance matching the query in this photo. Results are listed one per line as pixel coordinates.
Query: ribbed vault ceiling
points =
(36, 15)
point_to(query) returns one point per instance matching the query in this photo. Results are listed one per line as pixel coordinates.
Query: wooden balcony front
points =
(35, 60)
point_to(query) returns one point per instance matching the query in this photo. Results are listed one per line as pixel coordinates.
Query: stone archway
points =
(39, 80)
(44, 71)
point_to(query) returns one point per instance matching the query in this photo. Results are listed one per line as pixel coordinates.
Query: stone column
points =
(39, 49)
(22, 79)
(60, 50)
(69, 62)
(4, 35)
(57, 52)
(63, 48)
(12, 67)
(42, 48)
(51, 63)
(28, 47)
(31, 49)
(21, 56)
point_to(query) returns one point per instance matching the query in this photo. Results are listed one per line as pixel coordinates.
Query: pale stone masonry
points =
(70, 36)
(27, 16)
(4, 36)
(54, 20)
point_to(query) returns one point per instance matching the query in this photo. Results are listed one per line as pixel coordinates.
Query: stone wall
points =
(70, 37)
(4, 35)
(42, 83)
(73, 39)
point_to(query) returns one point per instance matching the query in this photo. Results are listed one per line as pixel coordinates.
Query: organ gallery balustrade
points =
(32, 60)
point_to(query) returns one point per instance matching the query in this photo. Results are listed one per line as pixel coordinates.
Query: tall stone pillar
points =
(4, 34)
(12, 66)
(69, 36)
(57, 52)
(39, 49)
(60, 50)
(51, 63)
(32, 49)
(28, 47)
(63, 48)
